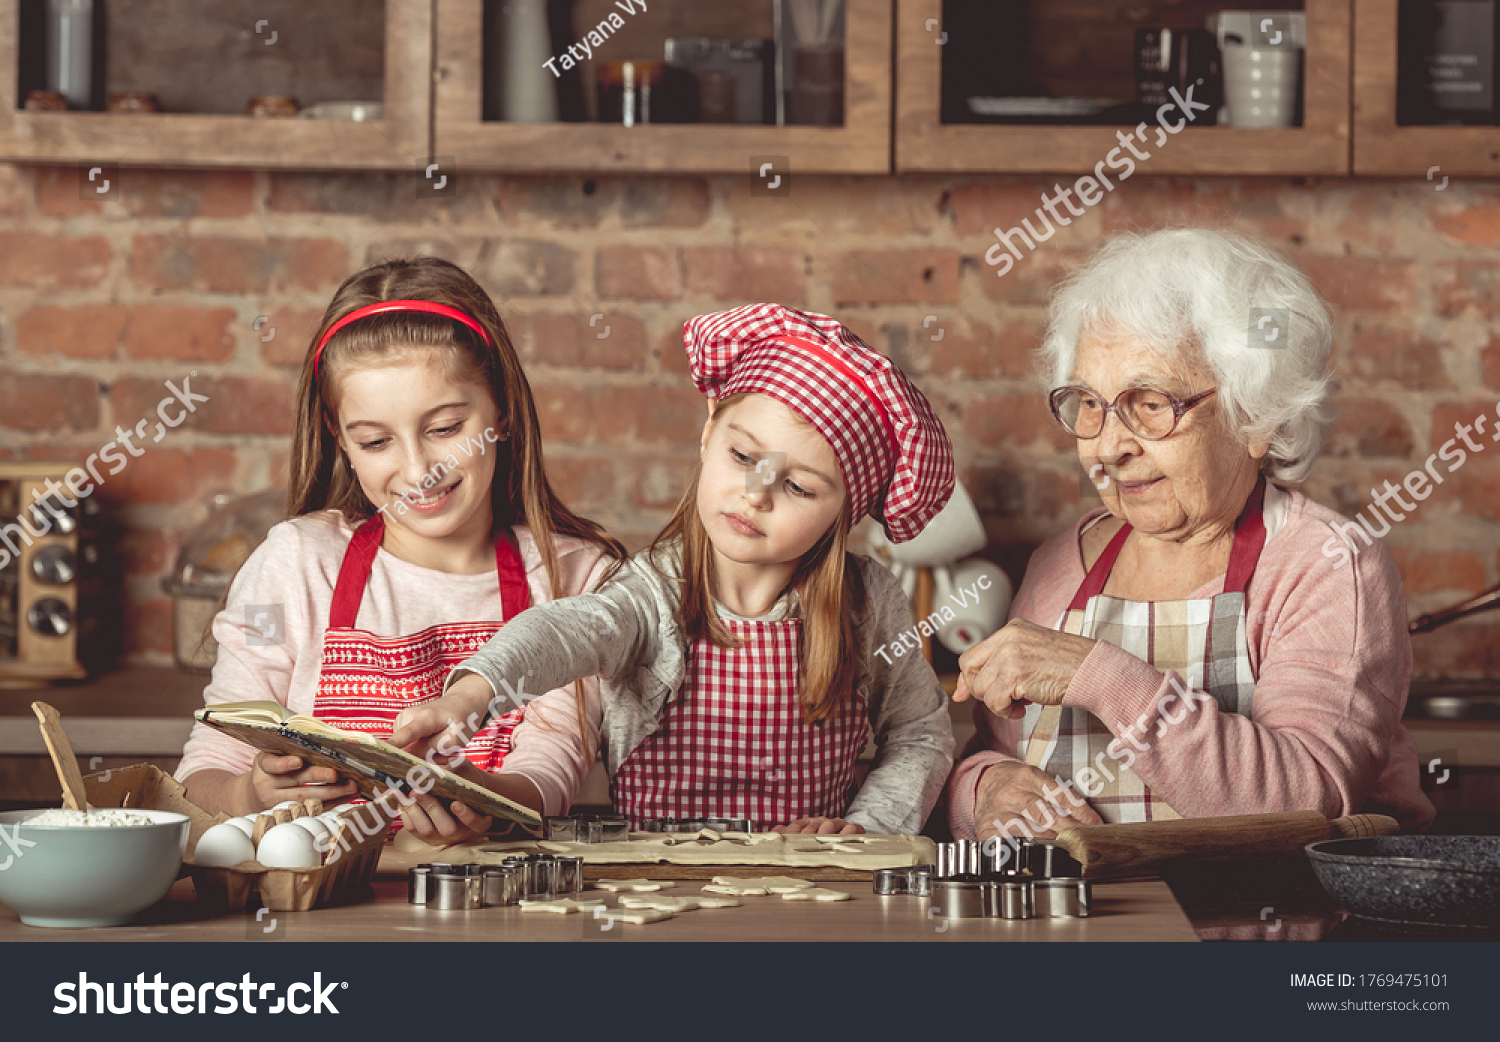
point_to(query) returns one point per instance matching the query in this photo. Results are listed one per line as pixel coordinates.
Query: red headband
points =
(398, 305)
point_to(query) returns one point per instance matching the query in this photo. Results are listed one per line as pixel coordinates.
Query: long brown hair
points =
(827, 582)
(520, 494)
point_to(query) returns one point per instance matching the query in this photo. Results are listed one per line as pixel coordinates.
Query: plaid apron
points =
(1204, 640)
(367, 680)
(733, 744)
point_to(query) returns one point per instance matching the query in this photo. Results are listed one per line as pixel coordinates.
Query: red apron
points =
(367, 680)
(733, 743)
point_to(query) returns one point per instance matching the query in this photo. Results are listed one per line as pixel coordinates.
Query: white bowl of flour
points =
(65, 868)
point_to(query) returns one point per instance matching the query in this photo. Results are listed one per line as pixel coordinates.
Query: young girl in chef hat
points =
(421, 522)
(746, 655)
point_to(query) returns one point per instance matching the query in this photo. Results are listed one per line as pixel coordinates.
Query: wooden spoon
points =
(63, 760)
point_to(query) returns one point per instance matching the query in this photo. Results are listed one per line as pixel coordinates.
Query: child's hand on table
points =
(820, 826)
(276, 779)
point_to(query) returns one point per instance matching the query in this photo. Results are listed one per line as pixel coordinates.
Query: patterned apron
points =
(367, 680)
(733, 744)
(1204, 640)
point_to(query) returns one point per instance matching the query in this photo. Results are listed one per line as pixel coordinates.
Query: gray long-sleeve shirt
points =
(627, 633)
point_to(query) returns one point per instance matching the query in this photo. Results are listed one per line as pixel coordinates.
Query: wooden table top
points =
(1137, 911)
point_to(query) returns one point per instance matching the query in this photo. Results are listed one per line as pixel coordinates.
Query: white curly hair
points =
(1189, 294)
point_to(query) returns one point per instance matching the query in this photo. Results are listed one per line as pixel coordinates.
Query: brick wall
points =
(100, 302)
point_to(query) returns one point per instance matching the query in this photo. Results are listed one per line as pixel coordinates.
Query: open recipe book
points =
(374, 764)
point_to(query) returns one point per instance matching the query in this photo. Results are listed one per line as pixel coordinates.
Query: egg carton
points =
(347, 873)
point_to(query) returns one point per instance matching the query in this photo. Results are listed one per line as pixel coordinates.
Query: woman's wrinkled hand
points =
(1009, 790)
(1021, 662)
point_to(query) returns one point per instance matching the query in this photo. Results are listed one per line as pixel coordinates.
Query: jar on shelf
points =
(272, 106)
(207, 561)
(131, 101)
(46, 101)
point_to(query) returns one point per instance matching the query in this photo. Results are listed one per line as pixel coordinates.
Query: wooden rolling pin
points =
(1136, 848)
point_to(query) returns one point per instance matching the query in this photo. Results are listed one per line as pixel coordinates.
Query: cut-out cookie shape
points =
(815, 893)
(677, 904)
(634, 916)
(630, 884)
(770, 884)
(561, 906)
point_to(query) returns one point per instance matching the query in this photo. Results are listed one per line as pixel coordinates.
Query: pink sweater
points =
(1332, 661)
(296, 567)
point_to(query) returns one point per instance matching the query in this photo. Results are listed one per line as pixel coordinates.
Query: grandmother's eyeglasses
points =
(1145, 411)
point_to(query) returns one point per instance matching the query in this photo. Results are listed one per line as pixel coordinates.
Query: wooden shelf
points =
(1380, 146)
(1319, 146)
(397, 142)
(861, 145)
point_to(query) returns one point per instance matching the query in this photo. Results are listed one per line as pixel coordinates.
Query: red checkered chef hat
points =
(895, 456)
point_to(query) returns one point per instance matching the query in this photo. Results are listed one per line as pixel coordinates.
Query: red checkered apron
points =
(367, 680)
(1204, 640)
(733, 743)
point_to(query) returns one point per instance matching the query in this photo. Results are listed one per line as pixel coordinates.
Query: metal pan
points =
(1442, 882)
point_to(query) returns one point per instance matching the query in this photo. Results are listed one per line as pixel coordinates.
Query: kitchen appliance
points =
(1181, 60)
(747, 62)
(971, 598)
(1449, 883)
(53, 576)
(207, 560)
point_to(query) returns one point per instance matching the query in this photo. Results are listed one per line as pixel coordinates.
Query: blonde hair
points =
(827, 582)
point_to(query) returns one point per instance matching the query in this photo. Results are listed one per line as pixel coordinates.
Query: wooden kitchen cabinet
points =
(199, 139)
(1383, 148)
(1319, 146)
(861, 145)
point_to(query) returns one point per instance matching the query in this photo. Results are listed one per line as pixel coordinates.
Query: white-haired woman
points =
(1191, 649)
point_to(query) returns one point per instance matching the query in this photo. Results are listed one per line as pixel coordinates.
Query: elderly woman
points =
(1191, 649)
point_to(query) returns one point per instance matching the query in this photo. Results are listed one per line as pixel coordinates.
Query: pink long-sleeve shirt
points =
(296, 568)
(1332, 661)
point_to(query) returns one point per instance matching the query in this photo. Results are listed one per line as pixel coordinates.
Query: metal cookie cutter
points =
(1004, 879)
(912, 879)
(1063, 898)
(502, 885)
(586, 828)
(699, 824)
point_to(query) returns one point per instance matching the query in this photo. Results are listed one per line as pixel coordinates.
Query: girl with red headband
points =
(421, 522)
(743, 655)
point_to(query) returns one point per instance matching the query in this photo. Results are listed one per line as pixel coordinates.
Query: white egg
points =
(223, 846)
(317, 828)
(288, 846)
(284, 804)
(245, 825)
